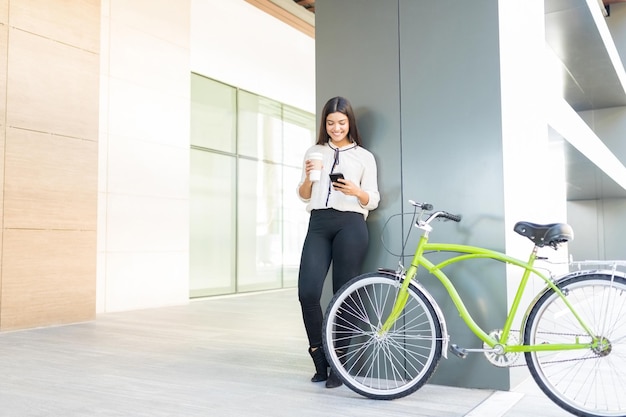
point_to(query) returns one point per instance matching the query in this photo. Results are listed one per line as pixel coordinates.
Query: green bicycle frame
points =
(473, 252)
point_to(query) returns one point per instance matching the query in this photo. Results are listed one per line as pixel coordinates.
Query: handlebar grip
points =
(454, 217)
(441, 214)
(423, 206)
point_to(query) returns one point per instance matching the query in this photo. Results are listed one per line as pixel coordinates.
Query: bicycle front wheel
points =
(375, 364)
(587, 382)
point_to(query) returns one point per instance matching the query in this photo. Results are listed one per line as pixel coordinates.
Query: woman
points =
(337, 230)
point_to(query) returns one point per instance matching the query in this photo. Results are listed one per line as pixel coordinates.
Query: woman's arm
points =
(305, 188)
(369, 185)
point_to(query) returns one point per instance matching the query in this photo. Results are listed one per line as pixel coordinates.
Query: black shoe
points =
(321, 366)
(333, 380)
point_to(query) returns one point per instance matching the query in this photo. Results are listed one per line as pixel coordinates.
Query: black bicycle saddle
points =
(545, 234)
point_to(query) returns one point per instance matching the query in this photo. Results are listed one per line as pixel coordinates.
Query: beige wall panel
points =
(50, 181)
(2, 146)
(3, 99)
(4, 33)
(3, 90)
(2, 165)
(48, 278)
(52, 87)
(4, 12)
(73, 22)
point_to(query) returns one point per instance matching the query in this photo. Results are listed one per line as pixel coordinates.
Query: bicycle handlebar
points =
(450, 216)
(438, 214)
(423, 206)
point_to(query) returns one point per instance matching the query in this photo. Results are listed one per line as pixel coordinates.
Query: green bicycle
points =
(384, 333)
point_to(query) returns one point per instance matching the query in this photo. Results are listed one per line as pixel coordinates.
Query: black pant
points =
(340, 237)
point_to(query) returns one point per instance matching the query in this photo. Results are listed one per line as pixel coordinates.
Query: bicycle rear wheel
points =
(584, 382)
(388, 365)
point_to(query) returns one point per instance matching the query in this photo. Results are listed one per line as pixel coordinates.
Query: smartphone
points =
(336, 176)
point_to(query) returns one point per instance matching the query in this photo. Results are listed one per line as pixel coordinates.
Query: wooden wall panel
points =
(51, 181)
(4, 12)
(285, 16)
(73, 22)
(48, 278)
(51, 70)
(4, 34)
(52, 87)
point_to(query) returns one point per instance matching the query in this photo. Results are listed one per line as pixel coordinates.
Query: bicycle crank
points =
(496, 355)
(462, 352)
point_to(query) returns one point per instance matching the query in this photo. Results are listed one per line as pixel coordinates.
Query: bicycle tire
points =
(587, 383)
(388, 366)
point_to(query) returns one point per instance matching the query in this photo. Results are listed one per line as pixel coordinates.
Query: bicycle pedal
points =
(458, 351)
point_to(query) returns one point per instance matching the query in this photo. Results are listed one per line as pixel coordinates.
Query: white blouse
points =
(357, 165)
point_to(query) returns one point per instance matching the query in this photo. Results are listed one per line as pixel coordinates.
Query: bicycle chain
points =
(563, 360)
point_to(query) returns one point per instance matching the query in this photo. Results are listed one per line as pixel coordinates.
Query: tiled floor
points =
(225, 356)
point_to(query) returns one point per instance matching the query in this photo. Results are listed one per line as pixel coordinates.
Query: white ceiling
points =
(592, 82)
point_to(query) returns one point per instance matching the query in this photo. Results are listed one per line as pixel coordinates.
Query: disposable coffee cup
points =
(316, 173)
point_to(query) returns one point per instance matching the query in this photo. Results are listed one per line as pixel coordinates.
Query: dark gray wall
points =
(599, 229)
(424, 80)
(357, 56)
(452, 155)
(599, 225)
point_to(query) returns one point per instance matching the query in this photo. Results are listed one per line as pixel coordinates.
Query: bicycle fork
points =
(403, 292)
(400, 303)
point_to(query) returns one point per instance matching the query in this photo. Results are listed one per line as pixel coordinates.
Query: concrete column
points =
(450, 96)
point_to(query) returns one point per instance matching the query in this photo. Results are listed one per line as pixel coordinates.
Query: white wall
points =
(143, 219)
(536, 195)
(238, 44)
(149, 48)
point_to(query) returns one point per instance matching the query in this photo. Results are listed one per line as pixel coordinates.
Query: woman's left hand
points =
(347, 187)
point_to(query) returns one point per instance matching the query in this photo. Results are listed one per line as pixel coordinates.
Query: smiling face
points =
(337, 127)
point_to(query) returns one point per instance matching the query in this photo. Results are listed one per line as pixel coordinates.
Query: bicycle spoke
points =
(589, 381)
(379, 364)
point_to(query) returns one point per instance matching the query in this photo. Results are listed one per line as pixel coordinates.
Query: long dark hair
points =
(338, 105)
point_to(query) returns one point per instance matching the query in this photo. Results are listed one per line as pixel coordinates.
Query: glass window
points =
(295, 221)
(213, 114)
(212, 231)
(259, 126)
(259, 230)
(298, 135)
(247, 222)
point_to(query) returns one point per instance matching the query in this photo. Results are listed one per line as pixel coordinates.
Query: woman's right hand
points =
(307, 184)
(308, 167)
